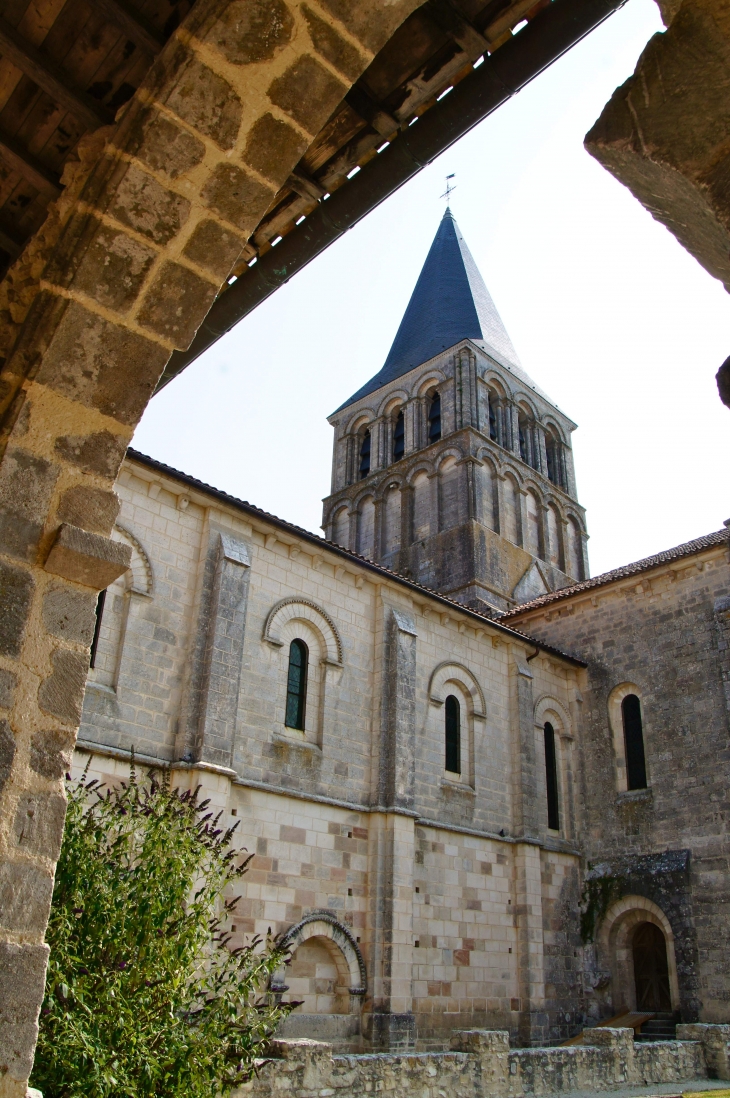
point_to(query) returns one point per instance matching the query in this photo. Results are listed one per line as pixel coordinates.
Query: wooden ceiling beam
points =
(20, 160)
(458, 28)
(133, 23)
(44, 72)
(363, 104)
(12, 247)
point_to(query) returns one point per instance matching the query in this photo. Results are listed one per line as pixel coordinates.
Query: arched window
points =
(399, 437)
(97, 627)
(452, 720)
(296, 685)
(492, 420)
(434, 419)
(551, 778)
(634, 742)
(522, 429)
(555, 464)
(365, 456)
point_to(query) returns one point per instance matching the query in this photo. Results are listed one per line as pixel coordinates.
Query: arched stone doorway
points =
(636, 946)
(651, 971)
(326, 974)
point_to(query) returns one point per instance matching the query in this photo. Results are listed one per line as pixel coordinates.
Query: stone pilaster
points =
(524, 762)
(533, 1019)
(223, 653)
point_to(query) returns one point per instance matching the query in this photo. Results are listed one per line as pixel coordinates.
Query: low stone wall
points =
(482, 1065)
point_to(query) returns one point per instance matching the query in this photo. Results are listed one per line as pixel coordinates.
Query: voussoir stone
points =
(206, 102)
(332, 46)
(105, 263)
(176, 304)
(163, 146)
(274, 147)
(249, 31)
(214, 248)
(236, 196)
(307, 92)
(7, 752)
(26, 486)
(100, 452)
(16, 593)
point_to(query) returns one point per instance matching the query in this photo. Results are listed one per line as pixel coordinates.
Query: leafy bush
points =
(145, 995)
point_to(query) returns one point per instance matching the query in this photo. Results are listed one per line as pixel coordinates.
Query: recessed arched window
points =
(434, 419)
(492, 421)
(551, 778)
(634, 742)
(399, 437)
(452, 721)
(101, 599)
(365, 455)
(296, 685)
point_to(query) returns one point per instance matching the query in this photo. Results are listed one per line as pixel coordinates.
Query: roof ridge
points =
(332, 546)
(625, 571)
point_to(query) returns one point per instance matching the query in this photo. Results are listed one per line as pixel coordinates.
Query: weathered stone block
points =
(87, 558)
(105, 263)
(206, 102)
(22, 982)
(249, 31)
(214, 248)
(163, 146)
(100, 452)
(274, 148)
(715, 1041)
(26, 486)
(102, 365)
(136, 199)
(50, 754)
(69, 614)
(176, 304)
(333, 47)
(236, 196)
(7, 753)
(62, 693)
(38, 824)
(25, 897)
(370, 22)
(90, 508)
(16, 592)
(8, 682)
(307, 92)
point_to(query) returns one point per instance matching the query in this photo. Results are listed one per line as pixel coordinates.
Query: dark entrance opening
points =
(651, 972)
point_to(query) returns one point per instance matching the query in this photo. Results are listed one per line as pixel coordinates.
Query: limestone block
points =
(38, 824)
(62, 693)
(7, 752)
(176, 304)
(22, 979)
(307, 92)
(26, 486)
(664, 132)
(16, 593)
(715, 1041)
(205, 101)
(246, 33)
(8, 682)
(50, 754)
(25, 897)
(492, 1049)
(163, 146)
(214, 248)
(99, 452)
(273, 146)
(87, 558)
(90, 508)
(69, 613)
(236, 196)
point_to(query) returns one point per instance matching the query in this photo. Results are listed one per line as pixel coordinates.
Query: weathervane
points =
(449, 188)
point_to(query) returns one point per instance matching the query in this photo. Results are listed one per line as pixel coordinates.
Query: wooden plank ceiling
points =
(69, 66)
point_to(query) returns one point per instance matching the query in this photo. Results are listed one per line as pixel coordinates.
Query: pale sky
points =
(621, 327)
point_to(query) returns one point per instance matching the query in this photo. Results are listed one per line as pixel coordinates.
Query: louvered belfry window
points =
(399, 437)
(296, 685)
(365, 456)
(452, 717)
(551, 779)
(634, 742)
(434, 419)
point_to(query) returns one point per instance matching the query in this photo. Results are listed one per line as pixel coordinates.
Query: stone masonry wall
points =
(355, 815)
(481, 1064)
(664, 632)
(162, 207)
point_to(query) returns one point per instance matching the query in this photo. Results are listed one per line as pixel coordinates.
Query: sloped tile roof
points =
(688, 549)
(339, 550)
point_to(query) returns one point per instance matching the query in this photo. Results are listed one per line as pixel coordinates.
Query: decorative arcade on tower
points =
(451, 465)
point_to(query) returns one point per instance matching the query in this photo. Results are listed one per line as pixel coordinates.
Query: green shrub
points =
(145, 995)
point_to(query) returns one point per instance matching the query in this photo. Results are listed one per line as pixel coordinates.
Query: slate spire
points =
(449, 303)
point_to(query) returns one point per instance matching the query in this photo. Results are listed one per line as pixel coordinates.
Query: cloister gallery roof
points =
(450, 302)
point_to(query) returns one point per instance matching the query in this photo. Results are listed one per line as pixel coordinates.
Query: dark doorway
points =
(651, 973)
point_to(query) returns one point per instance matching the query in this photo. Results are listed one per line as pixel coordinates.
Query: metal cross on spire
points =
(449, 187)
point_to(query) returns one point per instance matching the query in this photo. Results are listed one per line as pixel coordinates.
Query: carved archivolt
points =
(547, 706)
(320, 924)
(289, 609)
(456, 672)
(143, 571)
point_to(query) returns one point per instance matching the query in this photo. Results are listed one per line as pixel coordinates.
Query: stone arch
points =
(393, 403)
(340, 526)
(615, 720)
(289, 609)
(449, 670)
(432, 379)
(322, 924)
(614, 942)
(549, 423)
(141, 575)
(360, 421)
(453, 452)
(548, 708)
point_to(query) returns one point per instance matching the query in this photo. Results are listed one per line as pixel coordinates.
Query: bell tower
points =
(450, 465)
